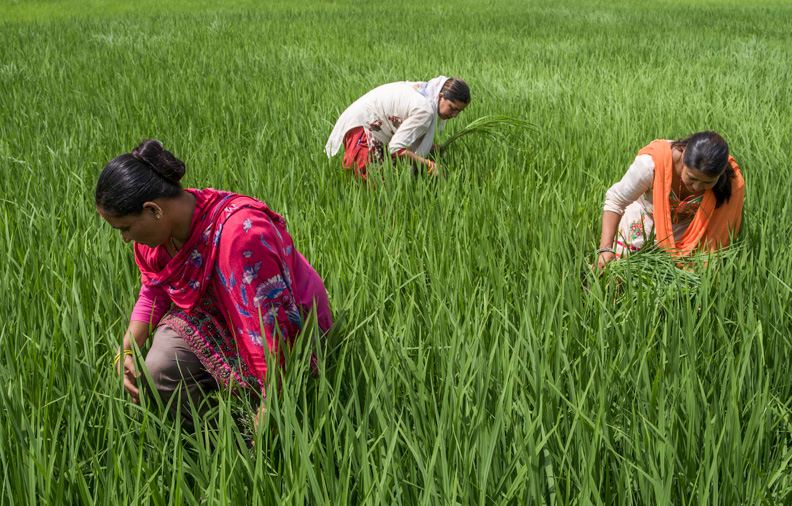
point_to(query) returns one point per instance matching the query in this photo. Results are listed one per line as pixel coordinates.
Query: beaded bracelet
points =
(603, 250)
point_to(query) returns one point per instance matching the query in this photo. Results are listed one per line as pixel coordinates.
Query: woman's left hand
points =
(261, 413)
(604, 259)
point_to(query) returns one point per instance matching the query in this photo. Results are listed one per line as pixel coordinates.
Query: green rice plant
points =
(467, 365)
(492, 127)
(648, 277)
(658, 270)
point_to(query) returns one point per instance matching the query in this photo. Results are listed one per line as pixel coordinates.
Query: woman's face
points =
(144, 228)
(448, 109)
(696, 180)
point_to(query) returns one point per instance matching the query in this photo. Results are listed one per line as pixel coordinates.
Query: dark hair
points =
(128, 181)
(709, 153)
(456, 90)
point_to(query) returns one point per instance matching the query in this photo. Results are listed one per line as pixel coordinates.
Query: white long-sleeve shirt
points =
(637, 185)
(395, 114)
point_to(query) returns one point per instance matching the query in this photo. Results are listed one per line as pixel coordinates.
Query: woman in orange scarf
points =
(686, 195)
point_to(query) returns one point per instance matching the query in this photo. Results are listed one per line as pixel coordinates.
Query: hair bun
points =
(456, 90)
(152, 153)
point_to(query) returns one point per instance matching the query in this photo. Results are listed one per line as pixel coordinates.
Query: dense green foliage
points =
(469, 364)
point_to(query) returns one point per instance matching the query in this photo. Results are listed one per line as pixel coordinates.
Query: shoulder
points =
(388, 90)
(254, 226)
(420, 108)
(657, 149)
(642, 171)
(252, 219)
(644, 163)
(639, 176)
(406, 91)
(737, 182)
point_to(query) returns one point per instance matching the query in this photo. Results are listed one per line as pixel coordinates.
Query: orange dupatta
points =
(710, 227)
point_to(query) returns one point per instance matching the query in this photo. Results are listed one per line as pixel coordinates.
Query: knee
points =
(159, 370)
(162, 362)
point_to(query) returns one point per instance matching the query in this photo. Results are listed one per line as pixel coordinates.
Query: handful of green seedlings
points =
(652, 272)
(491, 127)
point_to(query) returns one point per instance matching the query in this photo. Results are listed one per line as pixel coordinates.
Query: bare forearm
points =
(413, 157)
(138, 331)
(610, 224)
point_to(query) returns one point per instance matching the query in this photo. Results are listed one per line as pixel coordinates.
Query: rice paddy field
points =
(474, 360)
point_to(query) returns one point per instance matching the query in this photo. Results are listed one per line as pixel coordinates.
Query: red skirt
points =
(359, 152)
(356, 151)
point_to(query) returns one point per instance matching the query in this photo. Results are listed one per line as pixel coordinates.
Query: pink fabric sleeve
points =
(152, 304)
(312, 291)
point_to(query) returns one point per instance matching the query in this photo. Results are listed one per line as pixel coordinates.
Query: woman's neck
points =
(181, 209)
(682, 191)
(677, 162)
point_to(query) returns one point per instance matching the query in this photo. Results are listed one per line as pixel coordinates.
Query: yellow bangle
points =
(118, 356)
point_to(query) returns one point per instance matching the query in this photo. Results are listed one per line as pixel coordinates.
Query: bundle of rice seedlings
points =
(655, 267)
(650, 273)
(653, 273)
(491, 127)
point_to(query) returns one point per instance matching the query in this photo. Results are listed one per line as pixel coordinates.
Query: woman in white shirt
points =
(402, 116)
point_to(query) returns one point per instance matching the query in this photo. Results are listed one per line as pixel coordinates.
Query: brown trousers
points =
(178, 375)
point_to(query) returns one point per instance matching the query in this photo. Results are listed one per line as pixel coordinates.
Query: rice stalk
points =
(491, 127)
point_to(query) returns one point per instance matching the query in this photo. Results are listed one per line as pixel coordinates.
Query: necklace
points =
(679, 194)
(173, 244)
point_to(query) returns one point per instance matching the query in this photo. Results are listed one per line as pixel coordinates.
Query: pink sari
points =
(233, 286)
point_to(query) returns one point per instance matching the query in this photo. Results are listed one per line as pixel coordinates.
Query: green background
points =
(469, 363)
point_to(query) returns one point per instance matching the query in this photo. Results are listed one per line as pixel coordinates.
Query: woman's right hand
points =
(604, 258)
(139, 332)
(130, 378)
(435, 169)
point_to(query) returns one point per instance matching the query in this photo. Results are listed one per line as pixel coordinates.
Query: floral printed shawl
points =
(240, 254)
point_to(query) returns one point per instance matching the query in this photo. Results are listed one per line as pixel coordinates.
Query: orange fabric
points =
(710, 227)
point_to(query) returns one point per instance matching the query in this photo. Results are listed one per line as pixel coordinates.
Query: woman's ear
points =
(153, 208)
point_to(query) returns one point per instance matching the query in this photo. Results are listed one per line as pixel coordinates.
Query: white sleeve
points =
(638, 180)
(412, 129)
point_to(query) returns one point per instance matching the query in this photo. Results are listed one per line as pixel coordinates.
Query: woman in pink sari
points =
(221, 279)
